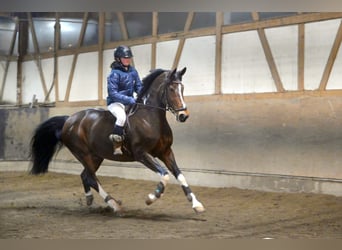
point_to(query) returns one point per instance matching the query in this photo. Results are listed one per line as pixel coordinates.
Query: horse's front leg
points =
(150, 162)
(169, 160)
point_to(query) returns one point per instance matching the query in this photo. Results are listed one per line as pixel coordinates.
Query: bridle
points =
(164, 96)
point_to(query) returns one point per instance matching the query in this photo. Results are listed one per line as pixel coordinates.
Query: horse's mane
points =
(147, 82)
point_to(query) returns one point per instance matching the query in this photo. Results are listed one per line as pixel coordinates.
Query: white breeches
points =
(118, 110)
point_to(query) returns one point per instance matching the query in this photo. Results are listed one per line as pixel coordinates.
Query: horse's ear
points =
(172, 73)
(183, 71)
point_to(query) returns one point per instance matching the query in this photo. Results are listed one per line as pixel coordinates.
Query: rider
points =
(122, 82)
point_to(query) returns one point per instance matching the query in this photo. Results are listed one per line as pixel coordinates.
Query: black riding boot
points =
(117, 139)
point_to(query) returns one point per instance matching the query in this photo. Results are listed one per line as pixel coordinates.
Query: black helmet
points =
(123, 52)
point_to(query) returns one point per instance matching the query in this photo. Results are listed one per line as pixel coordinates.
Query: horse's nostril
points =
(183, 117)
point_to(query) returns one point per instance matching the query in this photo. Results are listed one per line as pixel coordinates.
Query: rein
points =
(156, 107)
(151, 106)
(167, 106)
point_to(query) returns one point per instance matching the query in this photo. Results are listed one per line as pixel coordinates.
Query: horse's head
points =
(174, 95)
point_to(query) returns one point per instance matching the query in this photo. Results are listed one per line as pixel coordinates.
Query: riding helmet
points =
(123, 52)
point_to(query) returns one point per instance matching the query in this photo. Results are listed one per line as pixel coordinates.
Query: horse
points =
(147, 138)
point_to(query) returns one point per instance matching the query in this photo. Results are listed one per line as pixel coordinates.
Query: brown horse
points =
(147, 136)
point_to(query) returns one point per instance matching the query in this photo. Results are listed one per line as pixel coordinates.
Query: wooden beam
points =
(155, 25)
(57, 46)
(22, 49)
(124, 31)
(54, 83)
(218, 52)
(123, 26)
(100, 56)
(269, 56)
(37, 53)
(14, 37)
(283, 21)
(208, 31)
(331, 59)
(182, 40)
(73, 66)
(301, 49)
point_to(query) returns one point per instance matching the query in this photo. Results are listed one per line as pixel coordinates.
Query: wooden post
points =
(22, 49)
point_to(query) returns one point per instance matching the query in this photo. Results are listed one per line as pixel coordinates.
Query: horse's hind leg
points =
(90, 180)
(86, 185)
(171, 164)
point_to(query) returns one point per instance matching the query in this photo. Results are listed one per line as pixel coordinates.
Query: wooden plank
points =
(22, 49)
(100, 56)
(269, 95)
(331, 59)
(301, 49)
(37, 53)
(73, 66)
(56, 48)
(284, 21)
(55, 60)
(269, 56)
(122, 24)
(182, 40)
(155, 25)
(231, 28)
(8, 60)
(77, 104)
(218, 52)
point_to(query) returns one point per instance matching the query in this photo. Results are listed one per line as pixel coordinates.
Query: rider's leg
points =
(118, 110)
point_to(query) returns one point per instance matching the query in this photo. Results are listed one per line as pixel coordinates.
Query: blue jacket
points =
(121, 84)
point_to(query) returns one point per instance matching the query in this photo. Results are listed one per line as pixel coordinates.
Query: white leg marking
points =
(112, 203)
(165, 179)
(182, 180)
(89, 193)
(196, 205)
(102, 193)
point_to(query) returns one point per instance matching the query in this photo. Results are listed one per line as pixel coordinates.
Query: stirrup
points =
(117, 143)
(115, 138)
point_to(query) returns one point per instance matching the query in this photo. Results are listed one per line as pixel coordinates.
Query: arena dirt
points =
(52, 206)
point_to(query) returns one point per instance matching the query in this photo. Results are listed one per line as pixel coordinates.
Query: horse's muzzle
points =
(183, 115)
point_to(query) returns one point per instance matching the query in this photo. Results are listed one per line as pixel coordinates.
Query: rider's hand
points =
(131, 100)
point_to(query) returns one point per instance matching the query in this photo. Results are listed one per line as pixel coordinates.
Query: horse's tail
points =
(45, 143)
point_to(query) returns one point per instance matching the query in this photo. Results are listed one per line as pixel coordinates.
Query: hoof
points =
(115, 205)
(89, 200)
(150, 199)
(199, 209)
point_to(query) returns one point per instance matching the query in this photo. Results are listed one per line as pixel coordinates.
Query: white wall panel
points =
(166, 52)
(244, 65)
(107, 61)
(31, 83)
(283, 42)
(84, 85)
(64, 66)
(47, 67)
(319, 38)
(199, 58)
(142, 59)
(10, 89)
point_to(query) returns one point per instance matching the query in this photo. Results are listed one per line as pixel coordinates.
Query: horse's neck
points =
(155, 96)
